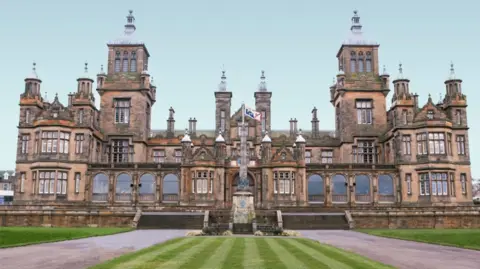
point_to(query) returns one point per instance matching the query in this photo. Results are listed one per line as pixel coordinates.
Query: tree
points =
(476, 187)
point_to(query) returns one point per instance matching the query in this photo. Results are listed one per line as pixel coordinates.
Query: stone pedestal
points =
(243, 209)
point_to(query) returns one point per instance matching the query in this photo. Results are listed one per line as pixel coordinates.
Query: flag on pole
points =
(249, 112)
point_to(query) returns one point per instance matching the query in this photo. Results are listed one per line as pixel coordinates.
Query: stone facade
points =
(109, 156)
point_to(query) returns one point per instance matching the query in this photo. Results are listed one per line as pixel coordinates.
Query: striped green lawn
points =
(240, 252)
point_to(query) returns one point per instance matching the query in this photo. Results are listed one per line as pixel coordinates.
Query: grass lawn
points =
(218, 252)
(21, 236)
(464, 238)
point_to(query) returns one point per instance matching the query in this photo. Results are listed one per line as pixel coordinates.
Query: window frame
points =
(122, 108)
(364, 108)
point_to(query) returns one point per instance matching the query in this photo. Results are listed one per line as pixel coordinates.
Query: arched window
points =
(133, 62)
(368, 62)
(117, 61)
(83, 87)
(339, 193)
(362, 188)
(123, 188)
(360, 61)
(147, 188)
(316, 190)
(353, 62)
(171, 188)
(100, 188)
(385, 188)
(125, 62)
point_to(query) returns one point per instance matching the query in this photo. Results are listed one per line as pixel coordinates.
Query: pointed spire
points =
(186, 137)
(222, 87)
(220, 138)
(33, 74)
(300, 138)
(262, 87)
(266, 138)
(400, 71)
(430, 98)
(452, 71)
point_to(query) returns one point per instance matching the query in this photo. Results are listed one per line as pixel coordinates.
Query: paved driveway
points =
(399, 253)
(82, 253)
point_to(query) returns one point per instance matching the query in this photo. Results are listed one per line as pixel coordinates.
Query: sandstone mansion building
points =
(77, 153)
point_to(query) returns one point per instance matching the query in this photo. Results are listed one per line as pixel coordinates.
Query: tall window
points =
(222, 121)
(120, 150)
(424, 184)
(80, 116)
(460, 144)
(284, 182)
(27, 116)
(404, 117)
(264, 121)
(117, 62)
(24, 145)
(178, 156)
(458, 116)
(22, 182)
(408, 179)
(327, 156)
(368, 62)
(200, 182)
(158, 156)
(439, 183)
(364, 111)
(46, 183)
(360, 62)
(365, 152)
(463, 182)
(406, 144)
(79, 138)
(422, 144)
(436, 143)
(122, 110)
(353, 62)
(133, 62)
(308, 156)
(125, 62)
(55, 142)
(62, 183)
(77, 182)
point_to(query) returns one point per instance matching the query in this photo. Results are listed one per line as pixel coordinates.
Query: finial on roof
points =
(384, 72)
(262, 87)
(130, 26)
(186, 137)
(430, 98)
(300, 138)
(101, 69)
(34, 71)
(452, 71)
(266, 138)
(152, 82)
(223, 82)
(220, 138)
(356, 26)
(86, 67)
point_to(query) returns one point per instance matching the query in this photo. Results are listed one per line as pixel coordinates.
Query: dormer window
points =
(430, 114)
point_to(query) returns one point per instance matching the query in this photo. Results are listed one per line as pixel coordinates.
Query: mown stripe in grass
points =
(177, 259)
(198, 259)
(311, 257)
(219, 256)
(269, 257)
(284, 255)
(235, 255)
(354, 260)
(127, 261)
(252, 258)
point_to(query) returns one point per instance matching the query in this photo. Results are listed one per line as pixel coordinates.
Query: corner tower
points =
(359, 94)
(127, 95)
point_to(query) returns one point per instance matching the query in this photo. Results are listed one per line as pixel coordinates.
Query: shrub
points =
(227, 233)
(258, 233)
(290, 233)
(277, 230)
(210, 231)
(195, 233)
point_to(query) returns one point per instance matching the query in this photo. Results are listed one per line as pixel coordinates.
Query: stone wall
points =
(421, 218)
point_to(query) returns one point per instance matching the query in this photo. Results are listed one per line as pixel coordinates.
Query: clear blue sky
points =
(295, 42)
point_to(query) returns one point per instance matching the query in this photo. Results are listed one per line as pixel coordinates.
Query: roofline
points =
(355, 45)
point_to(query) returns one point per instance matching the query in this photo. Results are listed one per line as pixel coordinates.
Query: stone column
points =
(375, 188)
(351, 189)
(183, 176)
(159, 187)
(111, 187)
(135, 187)
(328, 189)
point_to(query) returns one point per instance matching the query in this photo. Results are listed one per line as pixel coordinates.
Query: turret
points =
(266, 149)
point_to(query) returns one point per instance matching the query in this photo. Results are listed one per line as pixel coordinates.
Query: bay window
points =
(284, 182)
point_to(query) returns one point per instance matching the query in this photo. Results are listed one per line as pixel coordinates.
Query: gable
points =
(422, 115)
(203, 154)
(283, 154)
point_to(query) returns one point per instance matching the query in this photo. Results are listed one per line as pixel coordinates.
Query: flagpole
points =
(243, 113)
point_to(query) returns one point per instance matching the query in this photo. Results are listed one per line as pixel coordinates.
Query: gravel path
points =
(399, 253)
(82, 253)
